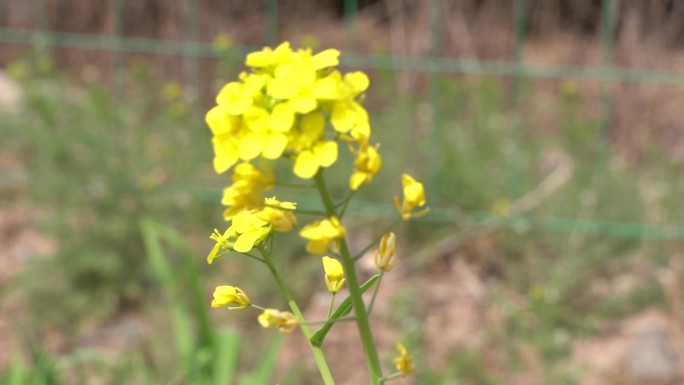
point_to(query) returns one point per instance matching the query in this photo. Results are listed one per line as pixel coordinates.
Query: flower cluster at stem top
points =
(281, 108)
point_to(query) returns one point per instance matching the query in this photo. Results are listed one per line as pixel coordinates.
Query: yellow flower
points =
(334, 274)
(249, 230)
(246, 192)
(321, 234)
(285, 321)
(269, 57)
(366, 166)
(312, 150)
(404, 362)
(279, 214)
(414, 197)
(222, 242)
(226, 295)
(384, 255)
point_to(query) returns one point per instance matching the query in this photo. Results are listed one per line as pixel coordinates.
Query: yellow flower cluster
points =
(281, 109)
(249, 227)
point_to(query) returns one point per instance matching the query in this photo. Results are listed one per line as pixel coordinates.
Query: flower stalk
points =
(355, 293)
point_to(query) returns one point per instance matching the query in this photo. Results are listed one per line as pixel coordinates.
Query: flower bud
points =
(384, 255)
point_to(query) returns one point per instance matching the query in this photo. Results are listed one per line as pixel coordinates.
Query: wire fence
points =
(192, 50)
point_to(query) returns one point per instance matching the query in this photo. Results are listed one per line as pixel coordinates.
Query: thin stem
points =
(354, 289)
(376, 240)
(375, 292)
(317, 353)
(345, 203)
(391, 377)
(253, 257)
(257, 307)
(332, 303)
(311, 212)
(334, 320)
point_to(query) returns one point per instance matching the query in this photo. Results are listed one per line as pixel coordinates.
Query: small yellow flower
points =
(404, 362)
(285, 321)
(246, 192)
(279, 214)
(321, 234)
(414, 197)
(226, 295)
(366, 165)
(249, 230)
(384, 255)
(222, 242)
(334, 274)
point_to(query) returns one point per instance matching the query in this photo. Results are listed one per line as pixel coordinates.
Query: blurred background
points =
(548, 134)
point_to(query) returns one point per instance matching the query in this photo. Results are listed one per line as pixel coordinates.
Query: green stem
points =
(340, 314)
(332, 304)
(316, 351)
(354, 289)
(375, 292)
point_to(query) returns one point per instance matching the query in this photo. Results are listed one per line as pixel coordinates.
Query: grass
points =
(109, 169)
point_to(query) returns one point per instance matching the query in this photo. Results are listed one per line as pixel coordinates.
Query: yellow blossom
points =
(366, 166)
(414, 197)
(226, 295)
(249, 230)
(321, 234)
(222, 242)
(404, 362)
(279, 214)
(285, 321)
(246, 192)
(334, 274)
(384, 255)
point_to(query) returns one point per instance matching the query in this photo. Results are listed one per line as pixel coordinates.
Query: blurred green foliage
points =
(96, 162)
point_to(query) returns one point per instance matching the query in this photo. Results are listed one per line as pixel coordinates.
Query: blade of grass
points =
(265, 370)
(227, 356)
(16, 370)
(194, 284)
(163, 272)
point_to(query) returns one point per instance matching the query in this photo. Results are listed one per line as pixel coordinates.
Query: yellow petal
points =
(306, 165)
(259, 59)
(282, 117)
(225, 154)
(342, 117)
(326, 153)
(312, 125)
(245, 242)
(327, 58)
(326, 88)
(356, 180)
(274, 146)
(358, 81)
(218, 120)
(281, 88)
(251, 145)
(303, 104)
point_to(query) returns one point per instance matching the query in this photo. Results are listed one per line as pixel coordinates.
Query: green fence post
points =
(520, 11)
(191, 58)
(605, 97)
(115, 7)
(434, 156)
(351, 10)
(271, 11)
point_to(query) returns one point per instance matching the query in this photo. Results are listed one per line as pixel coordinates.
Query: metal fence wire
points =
(192, 49)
